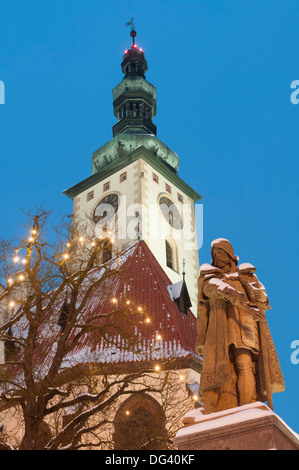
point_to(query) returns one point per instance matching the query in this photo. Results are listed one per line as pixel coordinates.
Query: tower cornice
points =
(148, 157)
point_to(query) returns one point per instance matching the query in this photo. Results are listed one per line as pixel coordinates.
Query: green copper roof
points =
(127, 159)
(124, 144)
(137, 84)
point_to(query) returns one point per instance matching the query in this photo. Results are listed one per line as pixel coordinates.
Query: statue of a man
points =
(240, 363)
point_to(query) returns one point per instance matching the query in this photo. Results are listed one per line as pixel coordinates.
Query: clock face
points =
(106, 208)
(171, 213)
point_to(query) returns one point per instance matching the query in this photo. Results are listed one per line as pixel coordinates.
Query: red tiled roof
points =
(140, 280)
(144, 282)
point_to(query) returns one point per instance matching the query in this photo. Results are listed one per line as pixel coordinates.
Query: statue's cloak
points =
(213, 325)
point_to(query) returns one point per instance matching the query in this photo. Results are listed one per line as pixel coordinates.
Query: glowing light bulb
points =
(126, 52)
(16, 259)
(127, 413)
(81, 239)
(21, 277)
(128, 302)
(9, 281)
(141, 50)
(31, 239)
(34, 232)
(24, 261)
(157, 368)
(148, 320)
(11, 304)
(114, 300)
(66, 256)
(139, 309)
(195, 397)
(159, 337)
(182, 377)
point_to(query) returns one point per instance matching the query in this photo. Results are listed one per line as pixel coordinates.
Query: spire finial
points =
(133, 33)
(184, 266)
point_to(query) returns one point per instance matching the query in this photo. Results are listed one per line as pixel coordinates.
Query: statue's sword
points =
(259, 314)
(266, 362)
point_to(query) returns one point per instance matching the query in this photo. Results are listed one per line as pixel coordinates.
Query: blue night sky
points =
(223, 71)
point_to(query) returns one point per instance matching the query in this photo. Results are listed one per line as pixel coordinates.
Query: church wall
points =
(156, 230)
(175, 400)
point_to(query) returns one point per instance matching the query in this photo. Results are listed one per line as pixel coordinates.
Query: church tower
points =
(134, 192)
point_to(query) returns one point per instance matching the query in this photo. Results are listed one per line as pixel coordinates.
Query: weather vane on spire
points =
(133, 31)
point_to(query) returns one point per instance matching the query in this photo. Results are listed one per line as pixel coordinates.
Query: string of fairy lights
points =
(157, 367)
(20, 277)
(65, 255)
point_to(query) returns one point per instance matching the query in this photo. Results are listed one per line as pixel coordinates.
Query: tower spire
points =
(134, 98)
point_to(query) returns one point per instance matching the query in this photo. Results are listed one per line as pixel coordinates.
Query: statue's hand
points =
(254, 311)
(238, 299)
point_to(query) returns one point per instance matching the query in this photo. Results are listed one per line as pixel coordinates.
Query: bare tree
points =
(59, 386)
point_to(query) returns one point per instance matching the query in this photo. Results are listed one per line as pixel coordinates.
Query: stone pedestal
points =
(248, 427)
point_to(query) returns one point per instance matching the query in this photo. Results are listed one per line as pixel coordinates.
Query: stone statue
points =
(240, 363)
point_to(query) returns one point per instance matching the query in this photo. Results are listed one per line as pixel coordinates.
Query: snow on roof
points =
(175, 290)
(146, 283)
(139, 278)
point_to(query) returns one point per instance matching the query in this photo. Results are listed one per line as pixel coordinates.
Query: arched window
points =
(140, 424)
(171, 254)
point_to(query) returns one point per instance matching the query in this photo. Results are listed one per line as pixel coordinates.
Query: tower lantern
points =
(134, 102)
